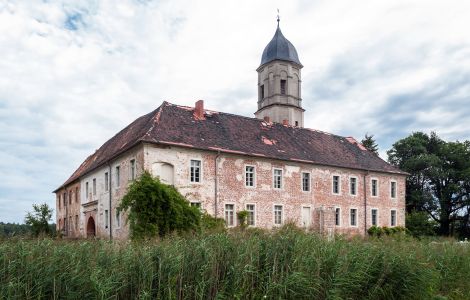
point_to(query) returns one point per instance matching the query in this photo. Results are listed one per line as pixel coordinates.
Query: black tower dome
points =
(280, 48)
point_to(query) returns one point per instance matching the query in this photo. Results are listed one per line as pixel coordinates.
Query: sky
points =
(74, 73)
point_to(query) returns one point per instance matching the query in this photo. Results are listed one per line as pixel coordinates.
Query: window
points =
(86, 189)
(249, 176)
(353, 217)
(338, 216)
(106, 218)
(65, 199)
(336, 184)
(196, 204)
(374, 187)
(94, 186)
(70, 223)
(393, 189)
(353, 186)
(374, 216)
(118, 176)
(76, 222)
(106, 181)
(195, 170)
(393, 217)
(60, 204)
(76, 194)
(118, 218)
(65, 224)
(132, 169)
(277, 214)
(283, 86)
(229, 215)
(306, 182)
(250, 220)
(277, 179)
(70, 197)
(296, 123)
(261, 91)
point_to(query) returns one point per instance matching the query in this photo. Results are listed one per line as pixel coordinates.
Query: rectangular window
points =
(106, 181)
(65, 199)
(393, 189)
(118, 176)
(70, 223)
(70, 197)
(249, 176)
(353, 186)
(132, 169)
(277, 179)
(76, 194)
(196, 204)
(229, 215)
(261, 91)
(393, 218)
(374, 216)
(277, 214)
(60, 204)
(106, 218)
(336, 184)
(338, 216)
(250, 220)
(76, 222)
(87, 190)
(283, 86)
(118, 218)
(306, 182)
(374, 187)
(353, 217)
(195, 170)
(94, 186)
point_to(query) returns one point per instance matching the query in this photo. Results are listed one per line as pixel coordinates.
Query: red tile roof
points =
(177, 125)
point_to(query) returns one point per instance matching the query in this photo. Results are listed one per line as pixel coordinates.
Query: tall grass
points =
(287, 264)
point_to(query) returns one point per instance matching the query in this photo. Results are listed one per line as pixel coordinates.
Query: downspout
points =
(365, 203)
(110, 188)
(66, 204)
(216, 183)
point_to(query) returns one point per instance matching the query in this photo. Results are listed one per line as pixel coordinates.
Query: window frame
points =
(87, 189)
(106, 181)
(371, 216)
(339, 223)
(254, 214)
(76, 194)
(117, 216)
(132, 169)
(376, 188)
(396, 217)
(309, 181)
(281, 177)
(254, 176)
(393, 182)
(200, 170)
(94, 187)
(356, 216)
(233, 212)
(333, 184)
(118, 175)
(106, 219)
(281, 91)
(274, 214)
(356, 179)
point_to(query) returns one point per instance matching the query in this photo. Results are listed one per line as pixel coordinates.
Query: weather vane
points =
(278, 18)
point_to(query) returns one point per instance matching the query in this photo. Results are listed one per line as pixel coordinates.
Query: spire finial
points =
(278, 18)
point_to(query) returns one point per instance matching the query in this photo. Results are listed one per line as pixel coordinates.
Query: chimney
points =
(285, 122)
(266, 119)
(199, 110)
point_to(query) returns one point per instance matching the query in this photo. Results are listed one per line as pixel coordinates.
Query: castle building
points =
(270, 166)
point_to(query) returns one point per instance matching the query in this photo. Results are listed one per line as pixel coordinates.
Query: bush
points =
(419, 224)
(211, 224)
(378, 231)
(242, 218)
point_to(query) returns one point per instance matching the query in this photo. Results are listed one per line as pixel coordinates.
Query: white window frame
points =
(274, 214)
(234, 214)
(309, 182)
(132, 169)
(340, 216)
(118, 175)
(356, 187)
(196, 204)
(87, 190)
(377, 187)
(94, 188)
(396, 189)
(396, 217)
(371, 209)
(357, 216)
(333, 184)
(254, 177)
(282, 177)
(106, 181)
(254, 213)
(200, 171)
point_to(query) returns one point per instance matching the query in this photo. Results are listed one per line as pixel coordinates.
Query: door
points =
(306, 216)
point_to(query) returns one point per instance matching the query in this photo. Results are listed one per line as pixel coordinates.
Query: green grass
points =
(286, 264)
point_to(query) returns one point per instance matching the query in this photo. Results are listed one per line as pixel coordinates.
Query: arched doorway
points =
(90, 228)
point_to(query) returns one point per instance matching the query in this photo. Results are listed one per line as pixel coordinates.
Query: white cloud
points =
(73, 74)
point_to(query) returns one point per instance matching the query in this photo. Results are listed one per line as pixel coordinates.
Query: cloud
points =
(74, 74)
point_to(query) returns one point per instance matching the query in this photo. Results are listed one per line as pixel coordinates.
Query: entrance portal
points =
(90, 228)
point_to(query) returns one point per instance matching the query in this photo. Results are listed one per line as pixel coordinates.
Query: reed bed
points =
(285, 264)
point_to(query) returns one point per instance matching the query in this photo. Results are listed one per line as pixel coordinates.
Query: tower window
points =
(296, 123)
(261, 91)
(283, 86)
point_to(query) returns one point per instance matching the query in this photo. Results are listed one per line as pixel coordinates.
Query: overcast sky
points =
(73, 75)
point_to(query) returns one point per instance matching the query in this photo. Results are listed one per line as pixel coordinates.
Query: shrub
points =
(419, 224)
(242, 218)
(212, 224)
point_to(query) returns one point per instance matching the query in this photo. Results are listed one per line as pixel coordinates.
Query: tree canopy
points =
(439, 181)
(369, 142)
(39, 219)
(156, 209)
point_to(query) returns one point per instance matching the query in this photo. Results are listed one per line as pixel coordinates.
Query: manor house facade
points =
(223, 163)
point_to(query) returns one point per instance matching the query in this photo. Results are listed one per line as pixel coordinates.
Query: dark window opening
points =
(261, 91)
(283, 87)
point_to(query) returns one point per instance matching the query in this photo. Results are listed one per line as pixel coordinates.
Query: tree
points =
(39, 219)
(439, 181)
(156, 209)
(369, 142)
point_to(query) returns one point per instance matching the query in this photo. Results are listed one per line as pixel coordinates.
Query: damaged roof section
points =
(216, 131)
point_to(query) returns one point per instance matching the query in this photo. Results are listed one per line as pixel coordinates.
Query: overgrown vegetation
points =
(39, 219)
(283, 264)
(378, 231)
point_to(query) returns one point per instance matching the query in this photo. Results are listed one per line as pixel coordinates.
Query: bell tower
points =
(279, 82)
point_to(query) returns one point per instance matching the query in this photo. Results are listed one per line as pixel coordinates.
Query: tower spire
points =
(278, 18)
